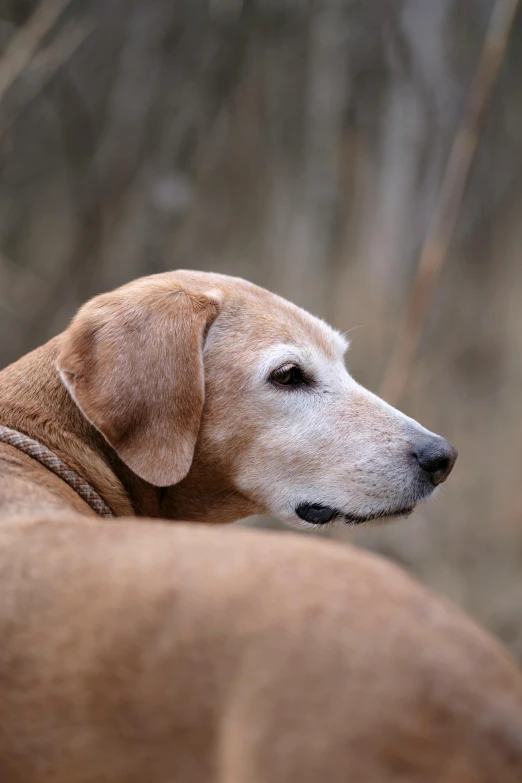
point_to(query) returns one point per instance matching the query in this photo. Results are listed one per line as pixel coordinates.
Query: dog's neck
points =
(34, 401)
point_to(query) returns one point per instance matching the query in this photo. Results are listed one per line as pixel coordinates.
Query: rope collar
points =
(52, 462)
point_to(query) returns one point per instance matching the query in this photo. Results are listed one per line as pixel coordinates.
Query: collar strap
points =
(52, 462)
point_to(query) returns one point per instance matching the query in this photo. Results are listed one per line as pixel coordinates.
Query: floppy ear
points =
(133, 364)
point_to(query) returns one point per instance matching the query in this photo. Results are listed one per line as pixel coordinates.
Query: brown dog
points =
(147, 652)
(232, 398)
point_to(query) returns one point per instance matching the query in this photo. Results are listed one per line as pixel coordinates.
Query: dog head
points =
(240, 403)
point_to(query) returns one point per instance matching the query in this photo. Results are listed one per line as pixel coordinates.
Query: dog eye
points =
(288, 375)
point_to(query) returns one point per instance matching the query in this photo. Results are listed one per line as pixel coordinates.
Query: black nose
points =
(436, 456)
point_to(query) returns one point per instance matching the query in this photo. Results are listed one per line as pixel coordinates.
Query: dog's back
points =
(151, 652)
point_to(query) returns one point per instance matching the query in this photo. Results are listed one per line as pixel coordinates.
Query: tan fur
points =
(184, 654)
(115, 360)
(146, 652)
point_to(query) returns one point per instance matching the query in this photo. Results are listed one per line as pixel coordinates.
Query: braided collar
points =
(52, 462)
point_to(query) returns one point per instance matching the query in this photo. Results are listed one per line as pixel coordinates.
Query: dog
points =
(171, 653)
(202, 397)
(141, 650)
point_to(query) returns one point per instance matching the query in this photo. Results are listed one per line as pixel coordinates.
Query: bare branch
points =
(24, 43)
(435, 248)
(45, 65)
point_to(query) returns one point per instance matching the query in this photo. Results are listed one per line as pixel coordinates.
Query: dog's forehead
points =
(249, 313)
(267, 319)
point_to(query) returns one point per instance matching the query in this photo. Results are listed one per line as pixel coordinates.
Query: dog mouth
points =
(317, 514)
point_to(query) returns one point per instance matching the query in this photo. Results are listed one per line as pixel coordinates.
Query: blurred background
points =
(300, 144)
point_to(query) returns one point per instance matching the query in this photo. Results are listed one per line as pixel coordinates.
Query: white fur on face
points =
(332, 443)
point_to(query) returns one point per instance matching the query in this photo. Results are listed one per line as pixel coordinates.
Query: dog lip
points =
(317, 514)
(355, 519)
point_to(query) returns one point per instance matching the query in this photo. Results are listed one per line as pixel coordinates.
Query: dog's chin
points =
(317, 514)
